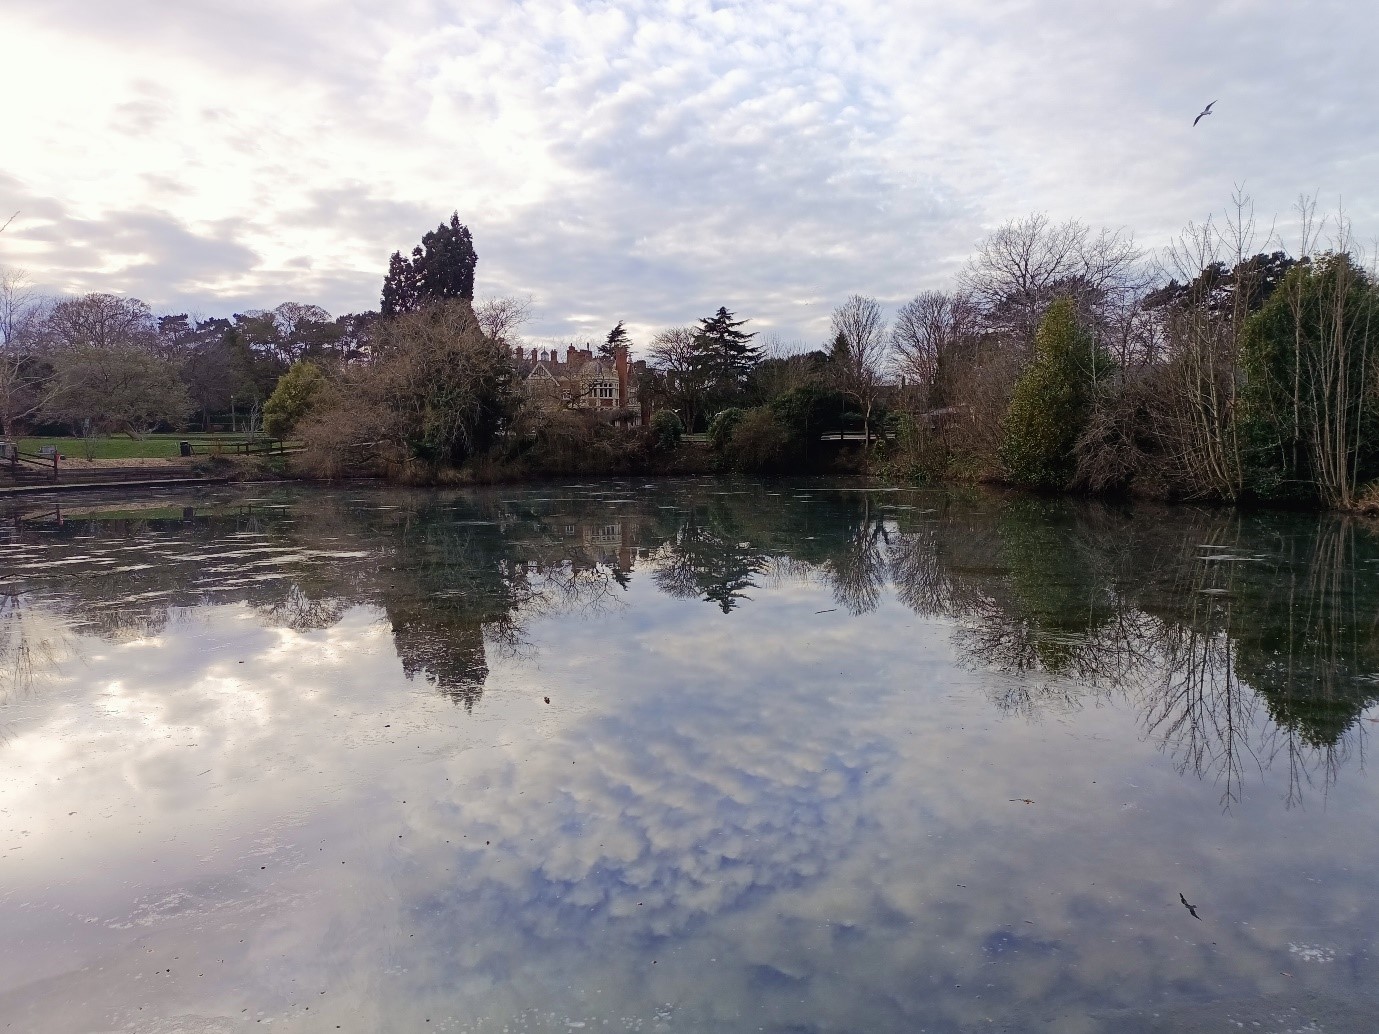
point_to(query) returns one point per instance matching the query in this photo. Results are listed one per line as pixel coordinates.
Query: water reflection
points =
(1241, 639)
(684, 756)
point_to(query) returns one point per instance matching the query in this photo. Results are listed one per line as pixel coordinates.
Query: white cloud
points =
(642, 161)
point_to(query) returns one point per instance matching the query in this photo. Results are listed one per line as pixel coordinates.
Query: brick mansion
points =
(583, 380)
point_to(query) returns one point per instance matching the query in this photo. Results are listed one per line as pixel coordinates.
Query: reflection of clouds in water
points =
(654, 822)
(777, 818)
(921, 880)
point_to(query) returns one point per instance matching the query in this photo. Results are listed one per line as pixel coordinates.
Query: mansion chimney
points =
(620, 361)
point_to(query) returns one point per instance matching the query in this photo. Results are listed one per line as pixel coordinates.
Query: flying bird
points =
(1205, 112)
(1190, 908)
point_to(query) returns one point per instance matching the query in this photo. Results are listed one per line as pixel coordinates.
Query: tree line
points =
(1064, 358)
(102, 364)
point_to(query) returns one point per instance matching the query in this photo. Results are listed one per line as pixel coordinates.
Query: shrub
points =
(438, 391)
(760, 443)
(292, 399)
(1052, 400)
(721, 428)
(806, 412)
(666, 430)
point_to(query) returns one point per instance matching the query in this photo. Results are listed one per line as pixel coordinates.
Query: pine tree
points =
(441, 267)
(617, 338)
(724, 354)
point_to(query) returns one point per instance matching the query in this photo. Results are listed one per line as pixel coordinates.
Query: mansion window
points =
(603, 391)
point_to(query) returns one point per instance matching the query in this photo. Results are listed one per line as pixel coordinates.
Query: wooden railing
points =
(245, 447)
(20, 464)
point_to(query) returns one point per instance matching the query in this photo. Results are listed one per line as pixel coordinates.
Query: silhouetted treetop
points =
(440, 267)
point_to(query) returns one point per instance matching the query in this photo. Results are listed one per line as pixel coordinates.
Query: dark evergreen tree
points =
(724, 354)
(400, 291)
(1215, 287)
(441, 267)
(617, 338)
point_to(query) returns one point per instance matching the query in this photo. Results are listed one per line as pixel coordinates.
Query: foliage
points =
(666, 429)
(724, 355)
(1309, 414)
(1052, 400)
(1246, 286)
(721, 427)
(292, 399)
(437, 392)
(547, 442)
(807, 412)
(759, 442)
(617, 338)
(440, 268)
(118, 388)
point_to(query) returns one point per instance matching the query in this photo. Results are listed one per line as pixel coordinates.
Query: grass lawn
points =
(120, 447)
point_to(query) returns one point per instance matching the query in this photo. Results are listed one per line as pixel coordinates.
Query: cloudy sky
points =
(649, 160)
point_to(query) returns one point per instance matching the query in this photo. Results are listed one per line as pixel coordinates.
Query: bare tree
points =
(1029, 262)
(438, 391)
(26, 384)
(678, 378)
(1194, 413)
(111, 373)
(499, 317)
(928, 326)
(101, 321)
(859, 353)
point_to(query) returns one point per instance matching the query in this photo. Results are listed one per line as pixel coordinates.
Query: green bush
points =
(760, 443)
(292, 398)
(807, 412)
(721, 428)
(666, 430)
(1052, 400)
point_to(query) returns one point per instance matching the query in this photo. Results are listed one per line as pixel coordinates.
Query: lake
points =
(685, 756)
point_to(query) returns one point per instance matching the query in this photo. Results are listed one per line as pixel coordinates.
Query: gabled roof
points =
(541, 368)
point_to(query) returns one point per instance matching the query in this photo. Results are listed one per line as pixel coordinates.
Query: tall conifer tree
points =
(441, 267)
(725, 354)
(617, 338)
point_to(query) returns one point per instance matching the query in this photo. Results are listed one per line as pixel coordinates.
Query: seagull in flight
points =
(1190, 908)
(1205, 112)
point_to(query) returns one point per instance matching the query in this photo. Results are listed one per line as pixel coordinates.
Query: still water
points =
(685, 756)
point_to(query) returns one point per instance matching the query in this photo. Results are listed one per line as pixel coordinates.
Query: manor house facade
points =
(583, 380)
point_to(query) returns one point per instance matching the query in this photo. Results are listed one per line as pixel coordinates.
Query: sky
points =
(651, 160)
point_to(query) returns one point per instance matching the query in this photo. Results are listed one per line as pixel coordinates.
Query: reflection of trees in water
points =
(26, 653)
(857, 570)
(451, 579)
(31, 648)
(300, 611)
(1242, 640)
(708, 557)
